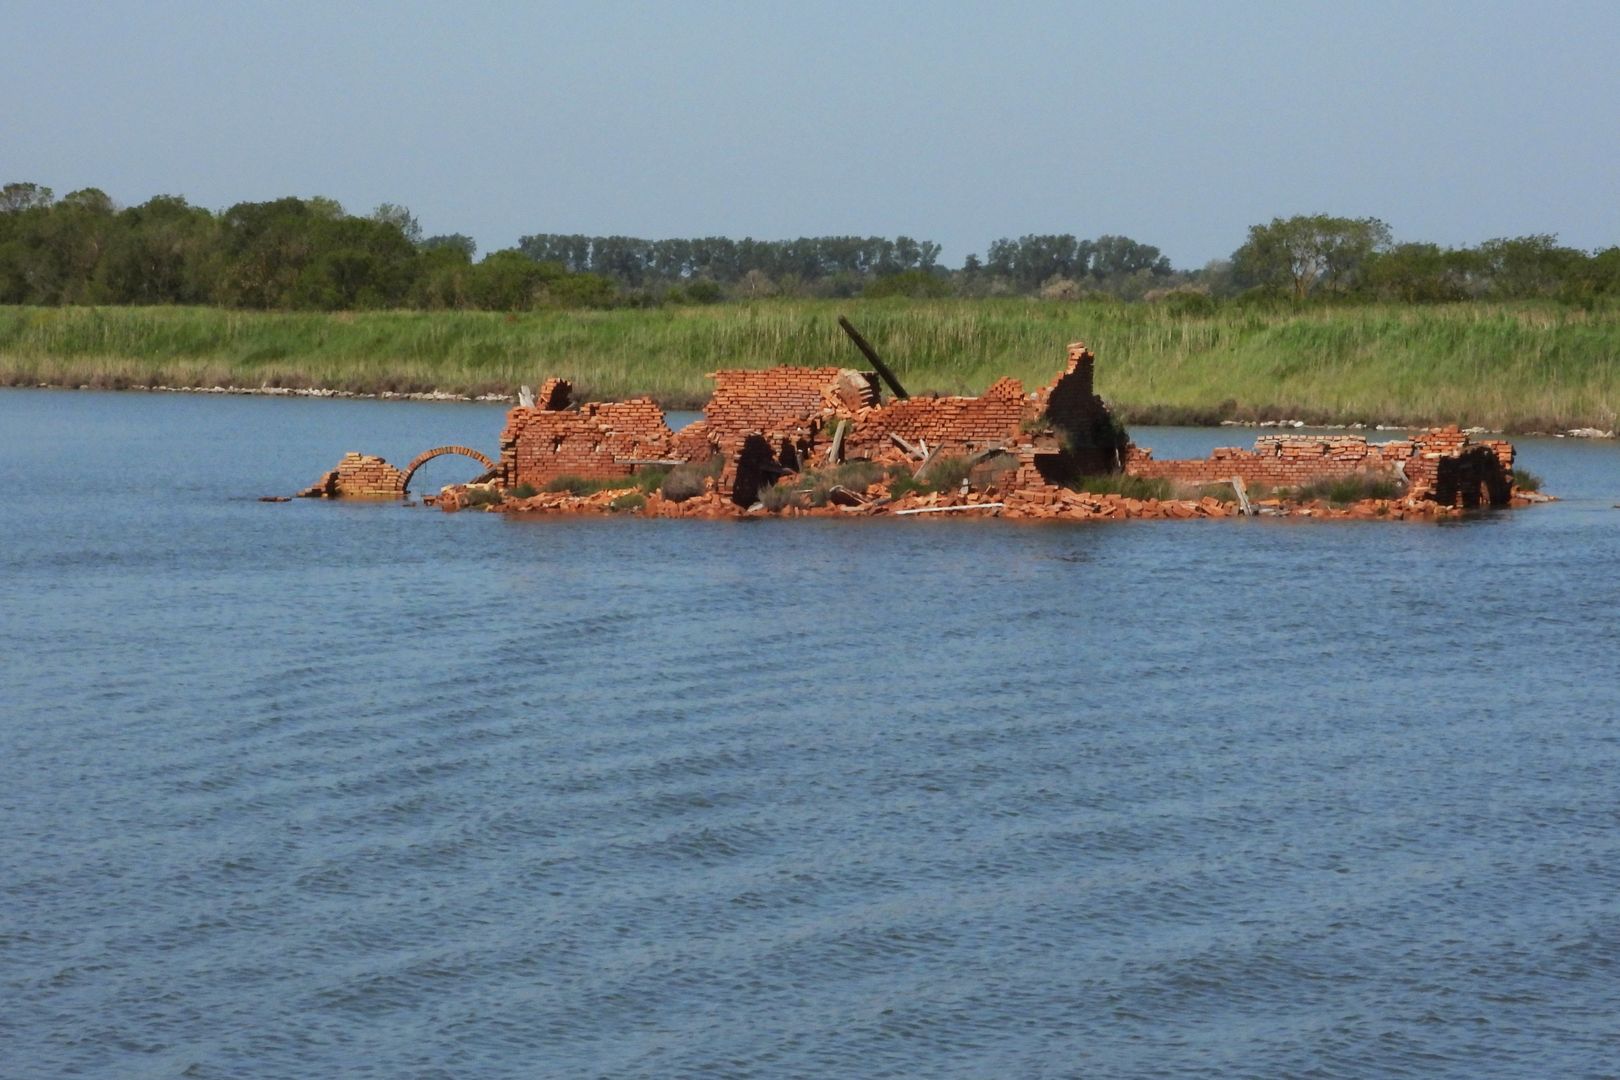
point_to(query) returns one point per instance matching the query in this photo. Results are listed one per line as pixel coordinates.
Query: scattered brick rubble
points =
(1018, 455)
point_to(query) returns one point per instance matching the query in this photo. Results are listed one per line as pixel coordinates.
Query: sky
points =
(1177, 124)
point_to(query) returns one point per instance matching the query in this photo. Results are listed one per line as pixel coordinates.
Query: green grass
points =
(814, 487)
(1525, 480)
(580, 485)
(1517, 366)
(1131, 487)
(644, 481)
(1344, 490)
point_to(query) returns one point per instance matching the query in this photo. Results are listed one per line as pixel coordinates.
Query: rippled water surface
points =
(314, 790)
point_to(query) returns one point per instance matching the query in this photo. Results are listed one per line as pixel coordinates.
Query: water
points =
(329, 790)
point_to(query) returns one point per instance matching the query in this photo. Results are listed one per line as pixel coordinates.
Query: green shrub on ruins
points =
(942, 474)
(649, 478)
(690, 480)
(946, 472)
(781, 495)
(630, 500)
(1525, 480)
(524, 491)
(814, 487)
(483, 496)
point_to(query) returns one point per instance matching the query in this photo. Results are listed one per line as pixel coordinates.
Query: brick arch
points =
(439, 451)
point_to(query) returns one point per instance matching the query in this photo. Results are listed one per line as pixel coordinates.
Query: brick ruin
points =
(597, 441)
(1020, 452)
(365, 476)
(1440, 465)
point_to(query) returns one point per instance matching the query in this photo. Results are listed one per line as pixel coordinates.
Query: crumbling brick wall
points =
(778, 403)
(1278, 461)
(1440, 464)
(1449, 468)
(599, 441)
(1090, 440)
(950, 425)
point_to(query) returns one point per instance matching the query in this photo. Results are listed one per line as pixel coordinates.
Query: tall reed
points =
(1512, 365)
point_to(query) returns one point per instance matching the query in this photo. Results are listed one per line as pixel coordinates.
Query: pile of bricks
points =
(359, 476)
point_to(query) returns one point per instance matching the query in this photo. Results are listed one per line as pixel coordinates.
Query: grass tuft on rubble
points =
(1525, 480)
(629, 501)
(814, 487)
(688, 481)
(524, 490)
(1129, 487)
(581, 485)
(941, 475)
(1343, 490)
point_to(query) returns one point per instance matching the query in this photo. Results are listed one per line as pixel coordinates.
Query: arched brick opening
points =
(439, 451)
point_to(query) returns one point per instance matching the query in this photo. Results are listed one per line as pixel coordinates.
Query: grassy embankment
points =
(1519, 366)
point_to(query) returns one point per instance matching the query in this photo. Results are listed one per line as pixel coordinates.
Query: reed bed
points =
(1513, 366)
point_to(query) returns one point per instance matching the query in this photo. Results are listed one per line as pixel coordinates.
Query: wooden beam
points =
(907, 447)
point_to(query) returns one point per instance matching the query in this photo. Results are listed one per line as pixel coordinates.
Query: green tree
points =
(1306, 253)
(18, 197)
(159, 254)
(400, 218)
(1526, 266)
(919, 284)
(456, 241)
(1420, 273)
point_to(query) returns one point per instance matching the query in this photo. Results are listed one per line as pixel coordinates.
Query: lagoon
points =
(330, 789)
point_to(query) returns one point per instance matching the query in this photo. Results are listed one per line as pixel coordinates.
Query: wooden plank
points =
(1242, 496)
(949, 509)
(837, 443)
(907, 447)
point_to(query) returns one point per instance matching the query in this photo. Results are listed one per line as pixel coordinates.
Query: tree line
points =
(296, 253)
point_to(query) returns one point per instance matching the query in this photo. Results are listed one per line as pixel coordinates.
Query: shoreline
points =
(1143, 417)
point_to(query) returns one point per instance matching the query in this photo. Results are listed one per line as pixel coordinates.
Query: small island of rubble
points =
(825, 441)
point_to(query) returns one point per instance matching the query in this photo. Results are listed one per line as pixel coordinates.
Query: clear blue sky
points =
(1179, 124)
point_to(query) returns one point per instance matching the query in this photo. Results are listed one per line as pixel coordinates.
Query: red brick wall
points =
(601, 440)
(783, 402)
